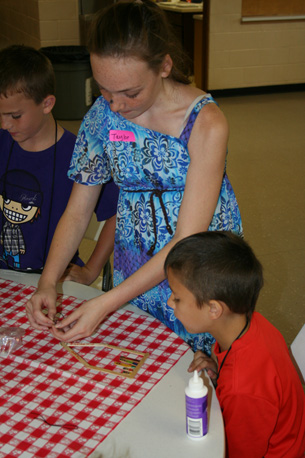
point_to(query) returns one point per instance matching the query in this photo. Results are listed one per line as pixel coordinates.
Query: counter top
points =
(182, 7)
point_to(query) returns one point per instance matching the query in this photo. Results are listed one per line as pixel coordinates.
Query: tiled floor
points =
(266, 165)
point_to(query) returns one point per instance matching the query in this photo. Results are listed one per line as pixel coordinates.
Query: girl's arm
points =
(207, 148)
(67, 237)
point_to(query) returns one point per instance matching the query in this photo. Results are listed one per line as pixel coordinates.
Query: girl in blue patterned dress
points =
(164, 143)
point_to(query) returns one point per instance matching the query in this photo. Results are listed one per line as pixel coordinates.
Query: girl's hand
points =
(202, 361)
(82, 322)
(43, 300)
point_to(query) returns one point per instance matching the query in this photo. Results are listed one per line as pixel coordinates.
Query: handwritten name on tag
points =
(121, 136)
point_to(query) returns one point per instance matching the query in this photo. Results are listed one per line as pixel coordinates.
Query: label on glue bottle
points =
(196, 401)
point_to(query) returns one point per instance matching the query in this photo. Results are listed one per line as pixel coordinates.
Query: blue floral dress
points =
(150, 169)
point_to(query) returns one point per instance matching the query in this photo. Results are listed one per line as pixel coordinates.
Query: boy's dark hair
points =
(138, 29)
(26, 70)
(218, 265)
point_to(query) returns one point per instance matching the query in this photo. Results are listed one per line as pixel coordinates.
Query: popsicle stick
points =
(131, 374)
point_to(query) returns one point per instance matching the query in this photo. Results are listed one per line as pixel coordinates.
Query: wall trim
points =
(299, 17)
(258, 90)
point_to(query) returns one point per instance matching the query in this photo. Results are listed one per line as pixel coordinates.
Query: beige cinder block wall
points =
(253, 54)
(39, 23)
(19, 22)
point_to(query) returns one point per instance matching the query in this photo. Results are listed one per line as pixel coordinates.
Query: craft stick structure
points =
(130, 366)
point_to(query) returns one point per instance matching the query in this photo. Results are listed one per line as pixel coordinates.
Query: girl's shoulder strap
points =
(191, 115)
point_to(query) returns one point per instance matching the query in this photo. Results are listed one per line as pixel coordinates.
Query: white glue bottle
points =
(196, 401)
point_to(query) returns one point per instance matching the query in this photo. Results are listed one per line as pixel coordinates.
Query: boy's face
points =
(184, 304)
(21, 117)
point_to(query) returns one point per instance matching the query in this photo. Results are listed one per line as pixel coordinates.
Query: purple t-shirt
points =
(35, 190)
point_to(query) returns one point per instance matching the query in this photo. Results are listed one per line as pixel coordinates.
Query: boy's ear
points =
(167, 66)
(216, 309)
(48, 103)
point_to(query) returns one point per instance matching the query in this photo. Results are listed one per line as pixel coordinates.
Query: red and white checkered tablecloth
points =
(51, 405)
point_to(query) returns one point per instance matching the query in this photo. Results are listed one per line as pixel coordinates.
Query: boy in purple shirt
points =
(35, 155)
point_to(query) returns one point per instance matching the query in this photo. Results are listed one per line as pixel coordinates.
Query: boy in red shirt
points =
(215, 280)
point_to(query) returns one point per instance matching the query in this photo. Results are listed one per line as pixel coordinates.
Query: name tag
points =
(121, 136)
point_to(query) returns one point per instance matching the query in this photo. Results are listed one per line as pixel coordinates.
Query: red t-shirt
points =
(261, 396)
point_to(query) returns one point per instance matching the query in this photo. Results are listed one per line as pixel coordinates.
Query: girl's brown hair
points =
(138, 29)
